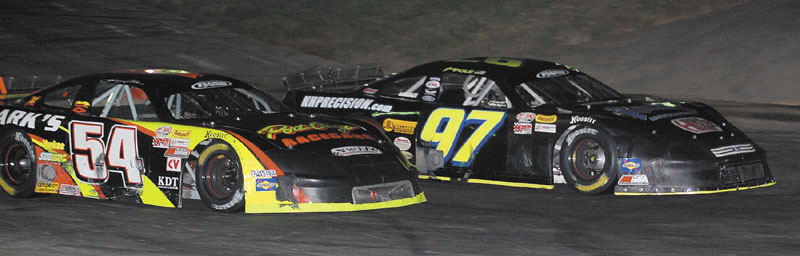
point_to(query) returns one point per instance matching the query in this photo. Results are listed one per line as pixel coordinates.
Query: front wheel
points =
(588, 161)
(17, 164)
(219, 179)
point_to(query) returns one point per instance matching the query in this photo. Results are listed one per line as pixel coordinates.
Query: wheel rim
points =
(16, 164)
(222, 177)
(588, 159)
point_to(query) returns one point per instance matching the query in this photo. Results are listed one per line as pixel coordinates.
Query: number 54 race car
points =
(162, 136)
(529, 123)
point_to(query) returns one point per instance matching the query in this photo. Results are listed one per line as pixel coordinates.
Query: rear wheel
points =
(219, 179)
(17, 164)
(588, 161)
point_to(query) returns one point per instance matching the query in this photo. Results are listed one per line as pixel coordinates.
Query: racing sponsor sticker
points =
(525, 117)
(173, 164)
(46, 187)
(696, 125)
(161, 142)
(408, 94)
(210, 84)
(546, 119)
(184, 134)
(428, 98)
(343, 103)
(273, 131)
(547, 128)
(370, 90)
(30, 119)
(53, 157)
(70, 190)
(399, 126)
(166, 182)
(639, 179)
(179, 152)
(291, 142)
(433, 84)
(163, 131)
(630, 165)
(355, 150)
(176, 142)
(52, 145)
(549, 73)
(402, 143)
(582, 119)
(266, 184)
(263, 173)
(523, 128)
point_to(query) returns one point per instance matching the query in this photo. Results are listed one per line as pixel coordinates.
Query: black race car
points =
(159, 137)
(530, 123)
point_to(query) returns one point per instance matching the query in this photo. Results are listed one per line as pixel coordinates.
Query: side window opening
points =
(62, 98)
(528, 96)
(472, 90)
(117, 100)
(406, 87)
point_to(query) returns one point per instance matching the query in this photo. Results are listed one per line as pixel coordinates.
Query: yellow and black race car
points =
(531, 123)
(163, 136)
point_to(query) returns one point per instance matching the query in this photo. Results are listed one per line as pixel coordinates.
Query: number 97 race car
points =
(159, 137)
(529, 123)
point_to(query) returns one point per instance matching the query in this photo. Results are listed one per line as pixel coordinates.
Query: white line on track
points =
(63, 7)
(119, 30)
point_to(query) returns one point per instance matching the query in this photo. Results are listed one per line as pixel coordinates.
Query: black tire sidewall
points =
(232, 204)
(28, 186)
(611, 165)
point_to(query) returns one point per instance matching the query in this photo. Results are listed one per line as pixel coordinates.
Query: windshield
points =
(565, 89)
(220, 102)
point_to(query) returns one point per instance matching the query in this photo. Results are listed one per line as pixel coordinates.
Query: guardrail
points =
(17, 84)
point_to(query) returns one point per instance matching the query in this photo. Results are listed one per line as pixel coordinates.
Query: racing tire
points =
(588, 161)
(17, 164)
(219, 179)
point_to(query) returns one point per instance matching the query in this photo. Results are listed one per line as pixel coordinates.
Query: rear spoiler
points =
(334, 80)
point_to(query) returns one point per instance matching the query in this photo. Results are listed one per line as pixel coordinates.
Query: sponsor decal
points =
(370, 90)
(290, 142)
(433, 84)
(430, 92)
(70, 190)
(53, 157)
(173, 164)
(436, 79)
(428, 98)
(47, 173)
(32, 101)
(52, 145)
(210, 84)
(216, 135)
(176, 142)
(263, 173)
(182, 134)
(343, 103)
(407, 154)
(581, 119)
(160, 142)
(30, 119)
(547, 128)
(266, 184)
(402, 143)
(408, 94)
(549, 73)
(46, 187)
(165, 182)
(399, 126)
(665, 103)
(80, 107)
(630, 165)
(639, 179)
(525, 117)
(163, 131)
(546, 119)
(355, 150)
(179, 152)
(523, 128)
(273, 131)
(696, 125)
(464, 71)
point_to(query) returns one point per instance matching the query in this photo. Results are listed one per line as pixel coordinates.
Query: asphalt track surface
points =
(458, 219)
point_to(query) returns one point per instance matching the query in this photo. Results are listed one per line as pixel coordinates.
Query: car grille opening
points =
(740, 174)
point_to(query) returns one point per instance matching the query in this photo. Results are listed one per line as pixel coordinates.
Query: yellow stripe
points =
(493, 182)
(332, 207)
(152, 195)
(600, 182)
(64, 129)
(691, 193)
(10, 190)
(87, 190)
